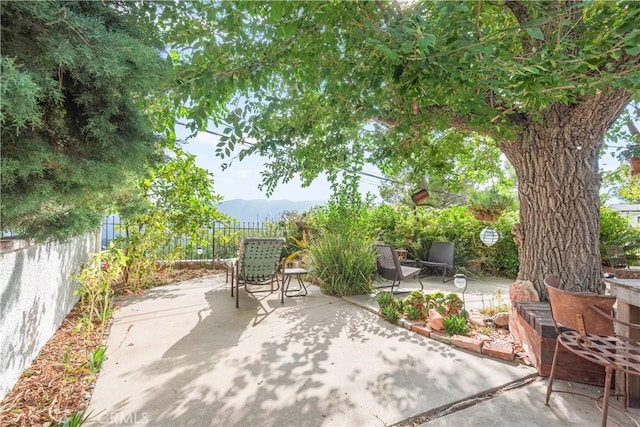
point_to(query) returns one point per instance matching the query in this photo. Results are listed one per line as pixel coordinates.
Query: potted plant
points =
(631, 153)
(488, 205)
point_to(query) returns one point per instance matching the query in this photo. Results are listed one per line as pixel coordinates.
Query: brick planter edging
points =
(496, 349)
(487, 347)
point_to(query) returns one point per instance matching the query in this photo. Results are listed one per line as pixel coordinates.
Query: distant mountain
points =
(263, 210)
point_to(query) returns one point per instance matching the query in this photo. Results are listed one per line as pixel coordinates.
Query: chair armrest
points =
(409, 262)
(612, 318)
(631, 325)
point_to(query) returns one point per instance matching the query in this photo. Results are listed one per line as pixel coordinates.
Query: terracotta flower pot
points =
(635, 165)
(483, 216)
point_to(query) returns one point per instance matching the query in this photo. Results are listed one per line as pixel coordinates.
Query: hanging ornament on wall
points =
(489, 236)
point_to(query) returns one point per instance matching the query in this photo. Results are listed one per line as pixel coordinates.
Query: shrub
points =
(341, 250)
(615, 230)
(445, 304)
(394, 225)
(415, 305)
(95, 289)
(457, 225)
(456, 325)
(415, 231)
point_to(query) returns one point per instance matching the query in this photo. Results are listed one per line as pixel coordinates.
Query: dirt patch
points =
(59, 382)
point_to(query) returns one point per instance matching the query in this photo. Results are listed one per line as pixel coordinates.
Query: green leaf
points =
(277, 10)
(387, 52)
(174, 55)
(535, 33)
(426, 42)
(407, 46)
(633, 51)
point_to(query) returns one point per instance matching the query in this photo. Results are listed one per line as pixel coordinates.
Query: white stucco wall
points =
(36, 294)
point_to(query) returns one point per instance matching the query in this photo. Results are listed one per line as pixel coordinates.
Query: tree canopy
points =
(433, 87)
(76, 79)
(399, 84)
(327, 86)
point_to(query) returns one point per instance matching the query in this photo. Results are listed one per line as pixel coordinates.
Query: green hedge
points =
(415, 230)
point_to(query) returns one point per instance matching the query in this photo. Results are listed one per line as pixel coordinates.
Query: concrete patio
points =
(183, 355)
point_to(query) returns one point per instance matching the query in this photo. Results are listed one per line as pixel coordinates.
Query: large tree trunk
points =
(556, 162)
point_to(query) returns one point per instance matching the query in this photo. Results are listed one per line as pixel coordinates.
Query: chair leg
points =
(420, 281)
(607, 394)
(553, 372)
(235, 281)
(625, 390)
(237, 292)
(395, 283)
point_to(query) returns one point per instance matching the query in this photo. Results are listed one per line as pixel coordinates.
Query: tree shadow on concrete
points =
(316, 361)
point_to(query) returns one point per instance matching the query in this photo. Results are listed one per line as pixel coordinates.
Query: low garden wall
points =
(36, 294)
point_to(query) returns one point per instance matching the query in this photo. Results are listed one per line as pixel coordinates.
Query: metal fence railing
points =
(220, 241)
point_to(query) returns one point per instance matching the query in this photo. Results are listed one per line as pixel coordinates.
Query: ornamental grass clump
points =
(345, 266)
(496, 305)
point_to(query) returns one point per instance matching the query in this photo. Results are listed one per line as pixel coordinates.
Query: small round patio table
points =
(300, 290)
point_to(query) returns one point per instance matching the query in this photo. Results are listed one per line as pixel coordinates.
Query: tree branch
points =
(386, 122)
(633, 130)
(478, 30)
(519, 10)
(521, 14)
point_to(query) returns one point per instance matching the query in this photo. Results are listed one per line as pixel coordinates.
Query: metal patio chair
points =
(257, 266)
(618, 260)
(390, 268)
(585, 326)
(440, 257)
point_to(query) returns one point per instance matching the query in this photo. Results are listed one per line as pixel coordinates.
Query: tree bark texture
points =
(556, 162)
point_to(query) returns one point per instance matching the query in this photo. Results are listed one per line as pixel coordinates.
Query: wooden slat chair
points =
(585, 326)
(257, 266)
(390, 268)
